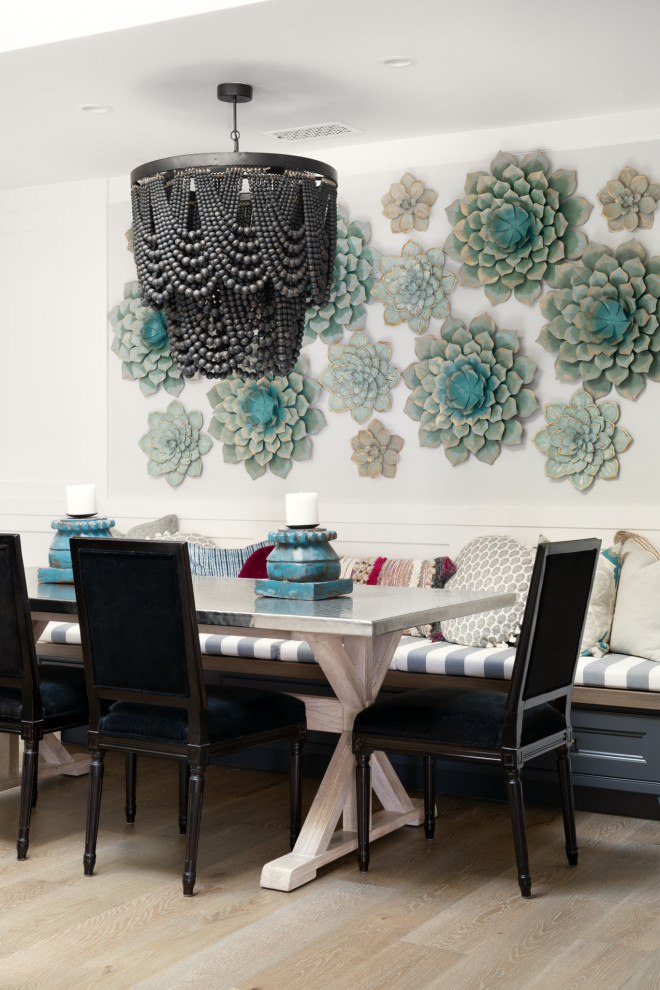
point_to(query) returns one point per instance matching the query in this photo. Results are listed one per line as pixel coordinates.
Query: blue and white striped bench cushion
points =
(416, 655)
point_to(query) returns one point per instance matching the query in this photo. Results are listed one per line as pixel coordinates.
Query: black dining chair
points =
(145, 680)
(533, 718)
(35, 698)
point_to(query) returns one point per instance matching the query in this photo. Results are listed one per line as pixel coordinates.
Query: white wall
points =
(68, 415)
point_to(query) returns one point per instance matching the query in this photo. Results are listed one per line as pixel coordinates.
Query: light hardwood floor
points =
(441, 915)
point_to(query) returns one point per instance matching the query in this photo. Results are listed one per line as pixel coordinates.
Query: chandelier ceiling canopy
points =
(233, 248)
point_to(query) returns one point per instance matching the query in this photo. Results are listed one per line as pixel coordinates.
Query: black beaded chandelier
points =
(234, 248)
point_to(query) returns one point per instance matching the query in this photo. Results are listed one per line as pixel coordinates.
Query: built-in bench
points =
(616, 701)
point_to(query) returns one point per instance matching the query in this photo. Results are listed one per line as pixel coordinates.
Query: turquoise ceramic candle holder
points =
(303, 565)
(59, 556)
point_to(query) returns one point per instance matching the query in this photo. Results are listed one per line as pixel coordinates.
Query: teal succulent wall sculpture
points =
(360, 377)
(376, 451)
(356, 268)
(468, 389)
(267, 422)
(629, 202)
(414, 286)
(515, 225)
(408, 204)
(140, 340)
(175, 444)
(581, 440)
(603, 320)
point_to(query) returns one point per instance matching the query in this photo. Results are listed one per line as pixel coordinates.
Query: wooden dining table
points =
(353, 638)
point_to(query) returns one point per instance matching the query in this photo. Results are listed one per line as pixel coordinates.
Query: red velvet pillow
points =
(255, 565)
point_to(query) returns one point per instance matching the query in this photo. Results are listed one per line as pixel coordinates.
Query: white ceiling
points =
(480, 64)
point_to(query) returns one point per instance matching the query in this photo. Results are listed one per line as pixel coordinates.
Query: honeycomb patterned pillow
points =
(490, 563)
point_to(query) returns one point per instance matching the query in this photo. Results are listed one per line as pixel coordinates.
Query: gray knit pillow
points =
(490, 563)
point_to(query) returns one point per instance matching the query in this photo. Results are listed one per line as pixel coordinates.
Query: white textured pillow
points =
(636, 622)
(490, 563)
(595, 641)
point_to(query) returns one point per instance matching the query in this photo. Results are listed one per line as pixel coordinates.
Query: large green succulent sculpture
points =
(141, 341)
(468, 389)
(360, 377)
(175, 444)
(356, 268)
(515, 225)
(267, 422)
(414, 286)
(581, 440)
(604, 320)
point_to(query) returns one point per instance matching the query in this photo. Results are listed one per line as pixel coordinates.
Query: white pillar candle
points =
(302, 509)
(80, 500)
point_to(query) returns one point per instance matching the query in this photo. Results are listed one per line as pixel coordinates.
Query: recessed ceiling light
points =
(398, 61)
(96, 108)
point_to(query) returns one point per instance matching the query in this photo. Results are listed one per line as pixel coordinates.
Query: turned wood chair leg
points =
(567, 804)
(131, 773)
(30, 756)
(35, 785)
(195, 798)
(184, 778)
(363, 787)
(517, 812)
(93, 810)
(429, 796)
(295, 790)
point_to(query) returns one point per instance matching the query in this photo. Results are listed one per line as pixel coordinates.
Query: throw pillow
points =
(256, 564)
(147, 530)
(595, 641)
(417, 573)
(202, 541)
(357, 568)
(220, 561)
(490, 563)
(636, 622)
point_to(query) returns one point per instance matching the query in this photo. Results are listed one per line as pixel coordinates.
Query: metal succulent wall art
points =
(629, 201)
(581, 440)
(376, 451)
(515, 225)
(604, 320)
(355, 270)
(175, 444)
(140, 340)
(468, 389)
(408, 205)
(267, 423)
(360, 377)
(414, 286)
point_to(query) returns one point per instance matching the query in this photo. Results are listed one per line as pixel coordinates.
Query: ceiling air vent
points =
(312, 131)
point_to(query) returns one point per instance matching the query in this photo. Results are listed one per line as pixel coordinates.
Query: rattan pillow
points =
(496, 564)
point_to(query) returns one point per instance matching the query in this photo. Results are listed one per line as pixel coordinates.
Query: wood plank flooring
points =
(441, 915)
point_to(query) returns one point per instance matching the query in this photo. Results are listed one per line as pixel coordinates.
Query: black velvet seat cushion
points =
(453, 716)
(232, 712)
(63, 692)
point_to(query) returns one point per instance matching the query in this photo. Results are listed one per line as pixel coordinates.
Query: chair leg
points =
(35, 786)
(131, 773)
(28, 783)
(517, 812)
(195, 798)
(295, 790)
(93, 810)
(429, 796)
(363, 786)
(184, 776)
(567, 804)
